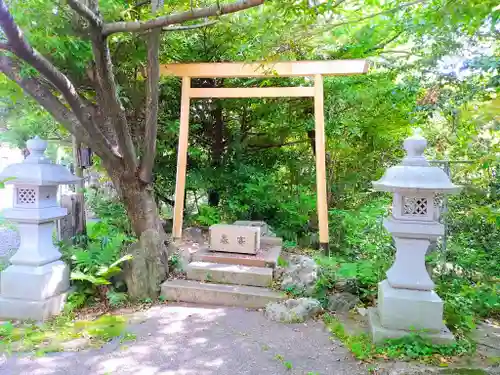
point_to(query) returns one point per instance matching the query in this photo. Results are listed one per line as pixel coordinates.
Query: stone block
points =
(218, 294)
(34, 283)
(230, 274)
(265, 257)
(13, 308)
(271, 241)
(409, 309)
(234, 238)
(380, 333)
(264, 229)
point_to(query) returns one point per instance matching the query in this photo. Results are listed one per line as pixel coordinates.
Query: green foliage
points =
(51, 335)
(410, 347)
(110, 210)
(282, 262)
(175, 262)
(287, 364)
(94, 264)
(207, 216)
(362, 251)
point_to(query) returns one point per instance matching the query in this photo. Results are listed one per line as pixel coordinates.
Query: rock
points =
(76, 344)
(278, 273)
(193, 234)
(347, 285)
(342, 302)
(293, 310)
(301, 273)
(362, 311)
(144, 273)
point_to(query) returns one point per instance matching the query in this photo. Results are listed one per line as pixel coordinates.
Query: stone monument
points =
(406, 299)
(235, 238)
(35, 284)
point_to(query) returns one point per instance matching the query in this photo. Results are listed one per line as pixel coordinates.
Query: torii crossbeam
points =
(316, 69)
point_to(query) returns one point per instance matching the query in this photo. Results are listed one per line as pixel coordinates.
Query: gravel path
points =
(188, 340)
(179, 339)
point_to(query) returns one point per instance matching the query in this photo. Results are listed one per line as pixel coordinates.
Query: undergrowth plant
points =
(412, 347)
(361, 255)
(95, 261)
(51, 335)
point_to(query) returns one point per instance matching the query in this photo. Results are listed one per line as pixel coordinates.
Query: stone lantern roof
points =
(37, 169)
(415, 174)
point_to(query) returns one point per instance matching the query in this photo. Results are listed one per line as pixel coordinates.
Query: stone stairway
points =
(229, 278)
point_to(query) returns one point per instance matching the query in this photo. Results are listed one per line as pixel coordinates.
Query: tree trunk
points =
(149, 265)
(79, 212)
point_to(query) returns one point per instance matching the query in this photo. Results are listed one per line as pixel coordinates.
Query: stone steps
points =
(230, 274)
(266, 257)
(218, 294)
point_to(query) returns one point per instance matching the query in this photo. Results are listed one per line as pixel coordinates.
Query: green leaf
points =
(77, 275)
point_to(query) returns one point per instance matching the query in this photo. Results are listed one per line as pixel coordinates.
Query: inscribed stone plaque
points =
(234, 238)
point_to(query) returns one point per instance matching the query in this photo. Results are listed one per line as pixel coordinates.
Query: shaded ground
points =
(192, 340)
(188, 340)
(185, 340)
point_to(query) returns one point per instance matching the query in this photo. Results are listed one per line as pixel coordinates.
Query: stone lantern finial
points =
(415, 146)
(406, 299)
(37, 147)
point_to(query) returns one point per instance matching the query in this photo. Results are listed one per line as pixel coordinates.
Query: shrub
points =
(95, 262)
(109, 209)
(362, 253)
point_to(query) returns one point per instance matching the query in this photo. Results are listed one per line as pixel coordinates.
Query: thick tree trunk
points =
(149, 265)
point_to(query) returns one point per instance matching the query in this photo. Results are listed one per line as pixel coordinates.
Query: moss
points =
(463, 371)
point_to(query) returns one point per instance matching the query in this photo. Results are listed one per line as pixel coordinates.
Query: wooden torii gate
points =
(316, 69)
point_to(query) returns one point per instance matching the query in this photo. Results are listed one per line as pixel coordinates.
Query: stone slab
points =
(271, 240)
(218, 294)
(265, 257)
(234, 238)
(409, 309)
(264, 229)
(230, 274)
(12, 308)
(380, 334)
(34, 283)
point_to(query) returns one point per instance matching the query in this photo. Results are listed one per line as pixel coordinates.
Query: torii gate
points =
(318, 69)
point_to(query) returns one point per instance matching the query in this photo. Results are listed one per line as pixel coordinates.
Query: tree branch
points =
(275, 145)
(152, 94)
(214, 10)
(189, 27)
(388, 11)
(110, 99)
(383, 44)
(85, 12)
(43, 95)
(21, 48)
(142, 3)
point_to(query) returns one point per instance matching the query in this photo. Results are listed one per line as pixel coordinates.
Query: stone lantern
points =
(35, 284)
(406, 299)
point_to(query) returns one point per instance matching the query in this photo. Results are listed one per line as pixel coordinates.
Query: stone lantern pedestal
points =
(34, 286)
(406, 299)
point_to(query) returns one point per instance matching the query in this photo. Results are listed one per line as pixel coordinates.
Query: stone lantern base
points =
(402, 311)
(33, 292)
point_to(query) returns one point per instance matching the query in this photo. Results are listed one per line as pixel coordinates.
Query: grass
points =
(287, 364)
(28, 336)
(411, 347)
